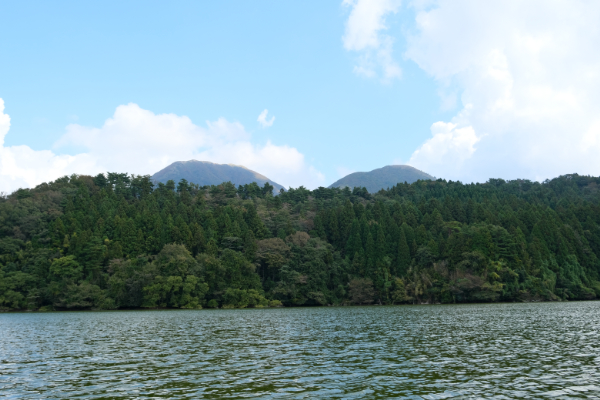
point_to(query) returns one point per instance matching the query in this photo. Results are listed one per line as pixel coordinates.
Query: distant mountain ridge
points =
(382, 178)
(209, 173)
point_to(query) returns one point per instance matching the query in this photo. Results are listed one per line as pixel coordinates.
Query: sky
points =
(302, 92)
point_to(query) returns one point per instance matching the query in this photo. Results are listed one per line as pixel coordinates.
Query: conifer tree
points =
(250, 246)
(380, 243)
(211, 248)
(403, 257)
(354, 243)
(370, 253)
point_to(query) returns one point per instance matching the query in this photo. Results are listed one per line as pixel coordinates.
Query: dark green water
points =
(430, 352)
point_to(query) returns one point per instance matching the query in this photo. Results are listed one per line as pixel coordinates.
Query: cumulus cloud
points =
(449, 145)
(20, 166)
(529, 83)
(138, 141)
(364, 34)
(262, 119)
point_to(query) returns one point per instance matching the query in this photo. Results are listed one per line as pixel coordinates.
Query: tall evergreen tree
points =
(403, 257)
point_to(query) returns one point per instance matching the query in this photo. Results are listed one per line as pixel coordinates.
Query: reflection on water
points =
(430, 352)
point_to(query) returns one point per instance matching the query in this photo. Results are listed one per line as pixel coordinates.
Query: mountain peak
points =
(210, 173)
(382, 178)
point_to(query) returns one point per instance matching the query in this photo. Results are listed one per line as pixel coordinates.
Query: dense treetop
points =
(118, 241)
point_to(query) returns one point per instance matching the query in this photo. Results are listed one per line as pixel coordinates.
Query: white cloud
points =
(528, 74)
(343, 171)
(363, 34)
(138, 141)
(20, 166)
(449, 146)
(262, 119)
(4, 123)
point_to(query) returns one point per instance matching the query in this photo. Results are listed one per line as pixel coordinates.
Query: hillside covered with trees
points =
(209, 173)
(382, 178)
(116, 241)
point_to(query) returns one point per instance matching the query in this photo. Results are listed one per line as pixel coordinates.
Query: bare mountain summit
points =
(382, 178)
(208, 173)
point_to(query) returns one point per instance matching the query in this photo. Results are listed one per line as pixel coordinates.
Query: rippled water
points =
(429, 352)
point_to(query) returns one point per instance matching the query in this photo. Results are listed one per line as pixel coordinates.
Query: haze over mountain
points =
(382, 178)
(208, 173)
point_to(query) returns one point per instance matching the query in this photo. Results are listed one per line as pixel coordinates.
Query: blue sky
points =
(458, 100)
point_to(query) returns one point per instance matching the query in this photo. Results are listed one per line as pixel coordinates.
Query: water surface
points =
(541, 350)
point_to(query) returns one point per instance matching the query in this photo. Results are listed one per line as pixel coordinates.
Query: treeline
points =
(119, 241)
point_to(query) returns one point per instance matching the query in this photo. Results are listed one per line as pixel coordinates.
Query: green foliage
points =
(115, 241)
(66, 268)
(361, 291)
(239, 298)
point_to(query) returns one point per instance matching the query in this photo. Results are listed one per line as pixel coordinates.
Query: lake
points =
(532, 350)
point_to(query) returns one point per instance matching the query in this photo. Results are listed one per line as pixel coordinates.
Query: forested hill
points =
(208, 173)
(118, 242)
(382, 178)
